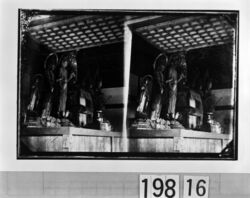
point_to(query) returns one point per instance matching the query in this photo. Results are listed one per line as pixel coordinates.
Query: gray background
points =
(79, 185)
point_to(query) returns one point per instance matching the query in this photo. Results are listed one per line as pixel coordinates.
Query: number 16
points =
(196, 187)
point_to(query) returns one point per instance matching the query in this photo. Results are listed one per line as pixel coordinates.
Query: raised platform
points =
(72, 139)
(176, 140)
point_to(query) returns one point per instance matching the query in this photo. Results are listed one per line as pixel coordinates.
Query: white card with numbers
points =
(196, 186)
(159, 186)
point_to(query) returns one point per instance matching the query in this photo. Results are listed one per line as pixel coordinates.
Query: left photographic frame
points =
(70, 84)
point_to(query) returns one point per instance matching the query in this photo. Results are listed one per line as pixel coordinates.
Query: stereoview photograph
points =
(108, 84)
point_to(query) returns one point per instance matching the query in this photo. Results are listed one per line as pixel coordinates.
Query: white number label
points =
(196, 187)
(145, 191)
(159, 186)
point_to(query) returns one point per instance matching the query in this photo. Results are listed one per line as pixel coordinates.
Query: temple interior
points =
(80, 110)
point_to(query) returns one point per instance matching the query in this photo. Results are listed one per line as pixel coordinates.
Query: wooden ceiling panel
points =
(79, 32)
(168, 34)
(183, 34)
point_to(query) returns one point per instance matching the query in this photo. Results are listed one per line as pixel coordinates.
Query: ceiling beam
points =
(61, 22)
(167, 23)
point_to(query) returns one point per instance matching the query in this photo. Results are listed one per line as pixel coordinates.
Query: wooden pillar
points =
(127, 60)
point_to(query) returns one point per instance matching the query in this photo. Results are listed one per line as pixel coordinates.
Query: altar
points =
(177, 141)
(73, 139)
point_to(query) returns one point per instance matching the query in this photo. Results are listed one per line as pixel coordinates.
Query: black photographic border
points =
(131, 155)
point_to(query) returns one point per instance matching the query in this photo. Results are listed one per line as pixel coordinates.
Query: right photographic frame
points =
(183, 85)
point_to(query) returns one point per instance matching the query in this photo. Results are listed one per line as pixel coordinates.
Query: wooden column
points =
(127, 60)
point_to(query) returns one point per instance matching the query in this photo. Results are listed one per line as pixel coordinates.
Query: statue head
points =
(209, 84)
(98, 84)
(37, 79)
(146, 79)
(72, 59)
(64, 61)
(183, 62)
(178, 60)
(74, 62)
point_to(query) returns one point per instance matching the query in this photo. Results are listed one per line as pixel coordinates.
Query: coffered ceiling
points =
(165, 32)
